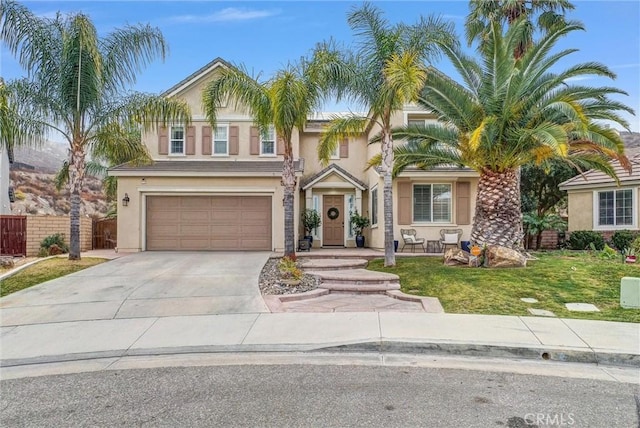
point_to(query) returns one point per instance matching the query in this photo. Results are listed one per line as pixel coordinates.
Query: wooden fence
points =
(13, 235)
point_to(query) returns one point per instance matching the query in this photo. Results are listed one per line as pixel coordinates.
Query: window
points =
(417, 122)
(335, 154)
(221, 140)
(177, 140)
(432, 203)
(374, 206)
(351, 208)
(615, 208)
(268, 142)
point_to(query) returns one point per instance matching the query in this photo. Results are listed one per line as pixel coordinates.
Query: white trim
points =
(431, 223)
(275, 143)
(195, 79)
(374, 189)
(197, 174)
(213, 141)
(596, 210)
(184, 140)
(316, 183)
(207, 190)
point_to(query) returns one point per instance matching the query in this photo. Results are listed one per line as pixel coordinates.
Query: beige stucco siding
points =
(428, 231)
(354, 163)
(244, 136)
(131, 219)
(580, 206)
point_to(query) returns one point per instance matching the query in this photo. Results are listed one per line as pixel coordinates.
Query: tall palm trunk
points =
(76, 178)
(498, 216)
(387, 195)
(289, 184)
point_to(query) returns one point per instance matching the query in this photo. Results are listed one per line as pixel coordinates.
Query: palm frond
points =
(339, 127)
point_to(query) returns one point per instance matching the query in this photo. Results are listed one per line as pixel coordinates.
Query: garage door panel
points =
(195, 216)
(209, 223)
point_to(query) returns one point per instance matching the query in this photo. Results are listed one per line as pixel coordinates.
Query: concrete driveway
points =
(148, 284)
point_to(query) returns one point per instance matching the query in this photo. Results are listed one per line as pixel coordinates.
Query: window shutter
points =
(280, 146)
(254, 146)
(234, 142)
(163, 140)
(191, 140)
(463, 203)
(404, 203)
(206, 140)
(344, 148)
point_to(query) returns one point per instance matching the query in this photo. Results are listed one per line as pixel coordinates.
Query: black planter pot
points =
(360, 241)
(309, 238)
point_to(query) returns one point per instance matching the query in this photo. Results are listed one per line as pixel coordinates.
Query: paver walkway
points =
(345, 286)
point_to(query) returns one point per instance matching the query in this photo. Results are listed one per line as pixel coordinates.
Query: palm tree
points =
(550, 13)
(509, 113)
(284, 102)
(78, 82)
(386, 72)
(16, 128)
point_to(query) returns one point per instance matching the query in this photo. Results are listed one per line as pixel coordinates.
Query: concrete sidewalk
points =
(607, 343)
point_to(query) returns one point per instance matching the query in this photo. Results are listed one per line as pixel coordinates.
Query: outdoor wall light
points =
(125, 200)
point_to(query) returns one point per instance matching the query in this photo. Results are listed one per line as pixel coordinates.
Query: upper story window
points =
(615, 208)
(221, 140)
(432, 203)
(176, 144)
(417, 122)
(335, 154)
(268, 142)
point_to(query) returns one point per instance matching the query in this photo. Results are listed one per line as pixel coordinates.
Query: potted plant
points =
(629, 255)
(310, 220)
(359, 222)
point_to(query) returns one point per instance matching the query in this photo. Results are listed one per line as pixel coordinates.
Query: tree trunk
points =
(76, 178)
(289, 184)
(498, 216)
(387, 169)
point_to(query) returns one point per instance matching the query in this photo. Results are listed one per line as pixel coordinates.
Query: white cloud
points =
(578, 78)
(230, 14)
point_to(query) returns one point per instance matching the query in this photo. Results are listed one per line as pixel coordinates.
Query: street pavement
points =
(148, 304)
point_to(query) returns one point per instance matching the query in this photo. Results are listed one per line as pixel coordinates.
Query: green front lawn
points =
(554, 279)
(44, 271)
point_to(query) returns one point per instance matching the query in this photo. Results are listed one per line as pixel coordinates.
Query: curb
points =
(373, 346)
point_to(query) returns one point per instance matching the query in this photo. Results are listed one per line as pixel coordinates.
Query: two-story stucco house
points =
(219, 188)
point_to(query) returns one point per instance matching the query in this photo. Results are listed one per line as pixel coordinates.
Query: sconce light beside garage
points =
(125, 200)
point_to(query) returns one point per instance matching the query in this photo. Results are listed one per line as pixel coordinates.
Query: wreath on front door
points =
(333, 213)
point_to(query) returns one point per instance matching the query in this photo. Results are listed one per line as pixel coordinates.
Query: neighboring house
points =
(219, 189)
(596, 202)
(6, 192)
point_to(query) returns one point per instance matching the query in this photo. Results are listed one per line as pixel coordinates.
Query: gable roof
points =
(308, 182)
(595, 178)
(202, 71)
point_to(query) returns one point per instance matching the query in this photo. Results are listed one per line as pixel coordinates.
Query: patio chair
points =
(450, 238)
(409, 238)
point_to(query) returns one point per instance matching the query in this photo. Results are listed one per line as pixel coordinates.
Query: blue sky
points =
(265, 36)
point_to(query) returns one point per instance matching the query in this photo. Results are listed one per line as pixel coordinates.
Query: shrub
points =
(289, 269)
(54, 244)
(582, 240)
(635, 245)
(622, 239)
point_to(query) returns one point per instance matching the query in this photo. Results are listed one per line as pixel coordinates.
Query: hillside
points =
(32, 177)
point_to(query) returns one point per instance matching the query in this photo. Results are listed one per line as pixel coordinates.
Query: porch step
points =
(340, 254)
(333, 264)
(357, 280)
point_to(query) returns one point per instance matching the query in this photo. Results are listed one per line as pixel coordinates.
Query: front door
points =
(333, 220)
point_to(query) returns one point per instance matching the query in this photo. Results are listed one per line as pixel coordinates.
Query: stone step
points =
(332, 264)
(357, 280)
(340, 254)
